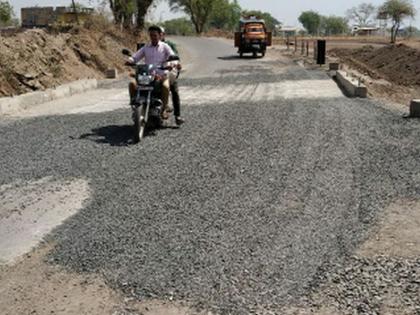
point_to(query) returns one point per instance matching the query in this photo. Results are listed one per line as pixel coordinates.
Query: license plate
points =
(146, 88)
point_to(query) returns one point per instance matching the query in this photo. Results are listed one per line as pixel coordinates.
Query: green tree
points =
(142, 9)
(411, 31)
(125, 12)
(225, 15)
(362, 15)
(199, 11)
(334, 25)
(311, 21)
(397, 11)
(180, 26)
(6, 14)
(270, 21)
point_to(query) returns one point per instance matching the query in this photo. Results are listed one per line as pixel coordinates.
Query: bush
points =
(7, 17)
(98, 22)
(181, 26)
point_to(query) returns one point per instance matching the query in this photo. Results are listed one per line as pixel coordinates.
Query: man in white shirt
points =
(157, 53)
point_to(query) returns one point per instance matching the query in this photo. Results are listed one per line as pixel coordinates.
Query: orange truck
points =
(252, 36)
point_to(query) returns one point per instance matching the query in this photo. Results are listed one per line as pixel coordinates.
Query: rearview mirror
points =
(126, 52)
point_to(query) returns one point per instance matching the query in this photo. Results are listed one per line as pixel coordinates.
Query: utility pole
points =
(75, 12)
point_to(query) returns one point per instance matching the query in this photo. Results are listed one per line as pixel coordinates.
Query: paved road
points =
(275, 175)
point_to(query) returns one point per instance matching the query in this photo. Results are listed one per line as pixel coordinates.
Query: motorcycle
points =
(147, 105)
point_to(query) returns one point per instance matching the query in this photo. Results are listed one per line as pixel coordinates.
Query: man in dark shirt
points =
(176, 100)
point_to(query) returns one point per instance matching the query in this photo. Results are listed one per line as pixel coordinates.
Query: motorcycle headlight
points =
(145, 79)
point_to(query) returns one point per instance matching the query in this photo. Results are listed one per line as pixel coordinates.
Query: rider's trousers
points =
(165, 93)
(176, 101)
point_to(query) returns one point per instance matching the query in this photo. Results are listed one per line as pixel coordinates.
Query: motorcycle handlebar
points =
(133, 65)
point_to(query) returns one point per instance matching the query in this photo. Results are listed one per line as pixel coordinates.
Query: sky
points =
(285, 11)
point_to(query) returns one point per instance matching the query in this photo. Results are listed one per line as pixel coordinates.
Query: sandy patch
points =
(29, 211)
(398, 234)
(35, 287)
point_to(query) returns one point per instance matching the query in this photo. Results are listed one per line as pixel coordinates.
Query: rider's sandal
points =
(165, 115)
(179, 121)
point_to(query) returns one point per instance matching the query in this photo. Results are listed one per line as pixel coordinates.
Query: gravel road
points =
(274, 178)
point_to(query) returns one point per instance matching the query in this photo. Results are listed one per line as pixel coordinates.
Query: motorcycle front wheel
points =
(139, 124)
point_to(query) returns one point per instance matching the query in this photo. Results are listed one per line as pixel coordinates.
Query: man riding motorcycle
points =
(156, 53)
(176, 100)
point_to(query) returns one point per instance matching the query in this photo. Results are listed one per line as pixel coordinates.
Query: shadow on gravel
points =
(112, 135)
(118, 136)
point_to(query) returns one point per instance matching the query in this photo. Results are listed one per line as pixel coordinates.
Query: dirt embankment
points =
(399, 64)
(394, 69)
(38, 59)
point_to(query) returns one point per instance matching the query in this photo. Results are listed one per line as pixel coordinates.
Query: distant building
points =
(37, 16)
(288, 31)
(44, 16)
(365, 31)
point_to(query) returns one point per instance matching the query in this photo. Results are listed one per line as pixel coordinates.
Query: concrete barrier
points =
(350, 85)
(59, 92)
(415, 108)
(11, 105)
(334, 66)
(111, 74)
(34, 98)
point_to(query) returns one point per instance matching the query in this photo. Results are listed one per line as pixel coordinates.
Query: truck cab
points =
(252, 36)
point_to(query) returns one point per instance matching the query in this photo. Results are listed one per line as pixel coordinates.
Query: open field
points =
(351, 42)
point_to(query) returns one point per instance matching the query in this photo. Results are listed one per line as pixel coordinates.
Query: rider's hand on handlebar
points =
(130, 62)
(172, 67)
